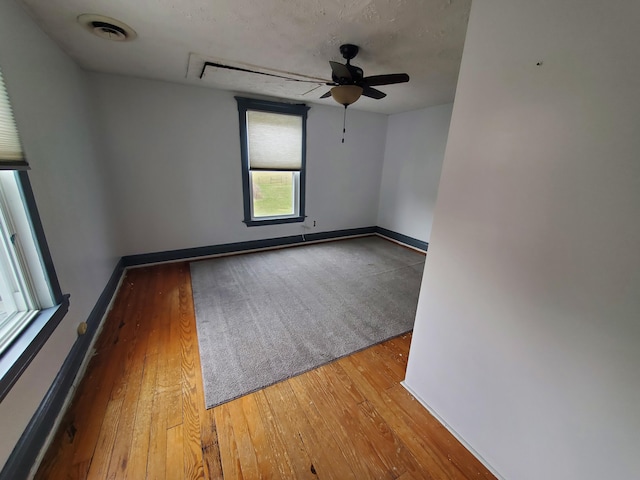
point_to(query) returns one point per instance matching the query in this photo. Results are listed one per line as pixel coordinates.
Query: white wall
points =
(174, 155)
(528, 327)
(49, 96)
(411, 172)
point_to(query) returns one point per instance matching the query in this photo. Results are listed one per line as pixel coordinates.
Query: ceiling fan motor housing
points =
(349, 51)
(356, 76)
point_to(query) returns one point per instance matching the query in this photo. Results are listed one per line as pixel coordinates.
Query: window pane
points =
(273, 193)
(19, 282)
(13, 304)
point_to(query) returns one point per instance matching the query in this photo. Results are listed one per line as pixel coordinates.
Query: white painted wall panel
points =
(174, 157)
(49, 96)
(413, 159)
(528, 325)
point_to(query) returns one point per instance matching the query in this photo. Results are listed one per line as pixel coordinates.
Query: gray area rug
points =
(266, 316)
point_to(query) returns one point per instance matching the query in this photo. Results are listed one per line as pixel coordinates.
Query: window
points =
(273, 146)
(22, 293)
(31, 303)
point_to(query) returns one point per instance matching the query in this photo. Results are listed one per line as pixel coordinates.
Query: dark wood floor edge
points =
(407, 240)
(25, 454)
(452, 431)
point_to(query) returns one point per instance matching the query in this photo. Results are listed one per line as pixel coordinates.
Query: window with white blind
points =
(11, 155)
(31, 303)
(273, 147)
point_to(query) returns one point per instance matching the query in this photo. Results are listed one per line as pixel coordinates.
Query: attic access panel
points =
(242, 81)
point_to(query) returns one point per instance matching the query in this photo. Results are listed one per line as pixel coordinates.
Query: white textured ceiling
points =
(423, 38)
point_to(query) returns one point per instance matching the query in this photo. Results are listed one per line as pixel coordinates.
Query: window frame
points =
(18, 355)
(245, 104)
(21, 347)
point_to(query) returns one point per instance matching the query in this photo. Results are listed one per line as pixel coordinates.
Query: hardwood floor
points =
(139, 412)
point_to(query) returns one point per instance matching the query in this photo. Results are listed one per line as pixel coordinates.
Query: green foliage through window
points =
(273, 193)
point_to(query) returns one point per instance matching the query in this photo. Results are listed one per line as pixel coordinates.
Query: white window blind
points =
(10, 147)
(274, 141)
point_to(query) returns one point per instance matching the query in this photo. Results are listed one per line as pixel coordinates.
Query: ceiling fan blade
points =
(340, 71)
(390, 79)
(367, 91)
(326, 95)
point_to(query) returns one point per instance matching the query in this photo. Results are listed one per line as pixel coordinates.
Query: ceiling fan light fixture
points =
(346, 94)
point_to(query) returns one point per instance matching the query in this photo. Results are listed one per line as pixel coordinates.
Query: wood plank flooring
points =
(139, 412)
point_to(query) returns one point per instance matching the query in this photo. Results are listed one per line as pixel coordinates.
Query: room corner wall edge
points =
(25, 454)
(405, 239)
(452, 431)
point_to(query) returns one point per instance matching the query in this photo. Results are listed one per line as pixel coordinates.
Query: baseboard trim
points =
(36, 436)
(452, 431)
(404, 239)
(252, 245)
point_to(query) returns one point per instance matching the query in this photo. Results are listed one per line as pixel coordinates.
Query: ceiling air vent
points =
(107, 27)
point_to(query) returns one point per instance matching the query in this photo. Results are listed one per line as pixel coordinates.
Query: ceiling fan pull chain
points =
(344, 123)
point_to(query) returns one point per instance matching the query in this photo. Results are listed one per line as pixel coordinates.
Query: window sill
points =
(273, 221)
(17, 357)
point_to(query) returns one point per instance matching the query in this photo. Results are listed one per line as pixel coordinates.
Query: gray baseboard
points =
(414, 242)
(191, 253)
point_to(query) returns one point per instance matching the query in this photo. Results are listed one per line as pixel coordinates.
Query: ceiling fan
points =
(349, 82)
